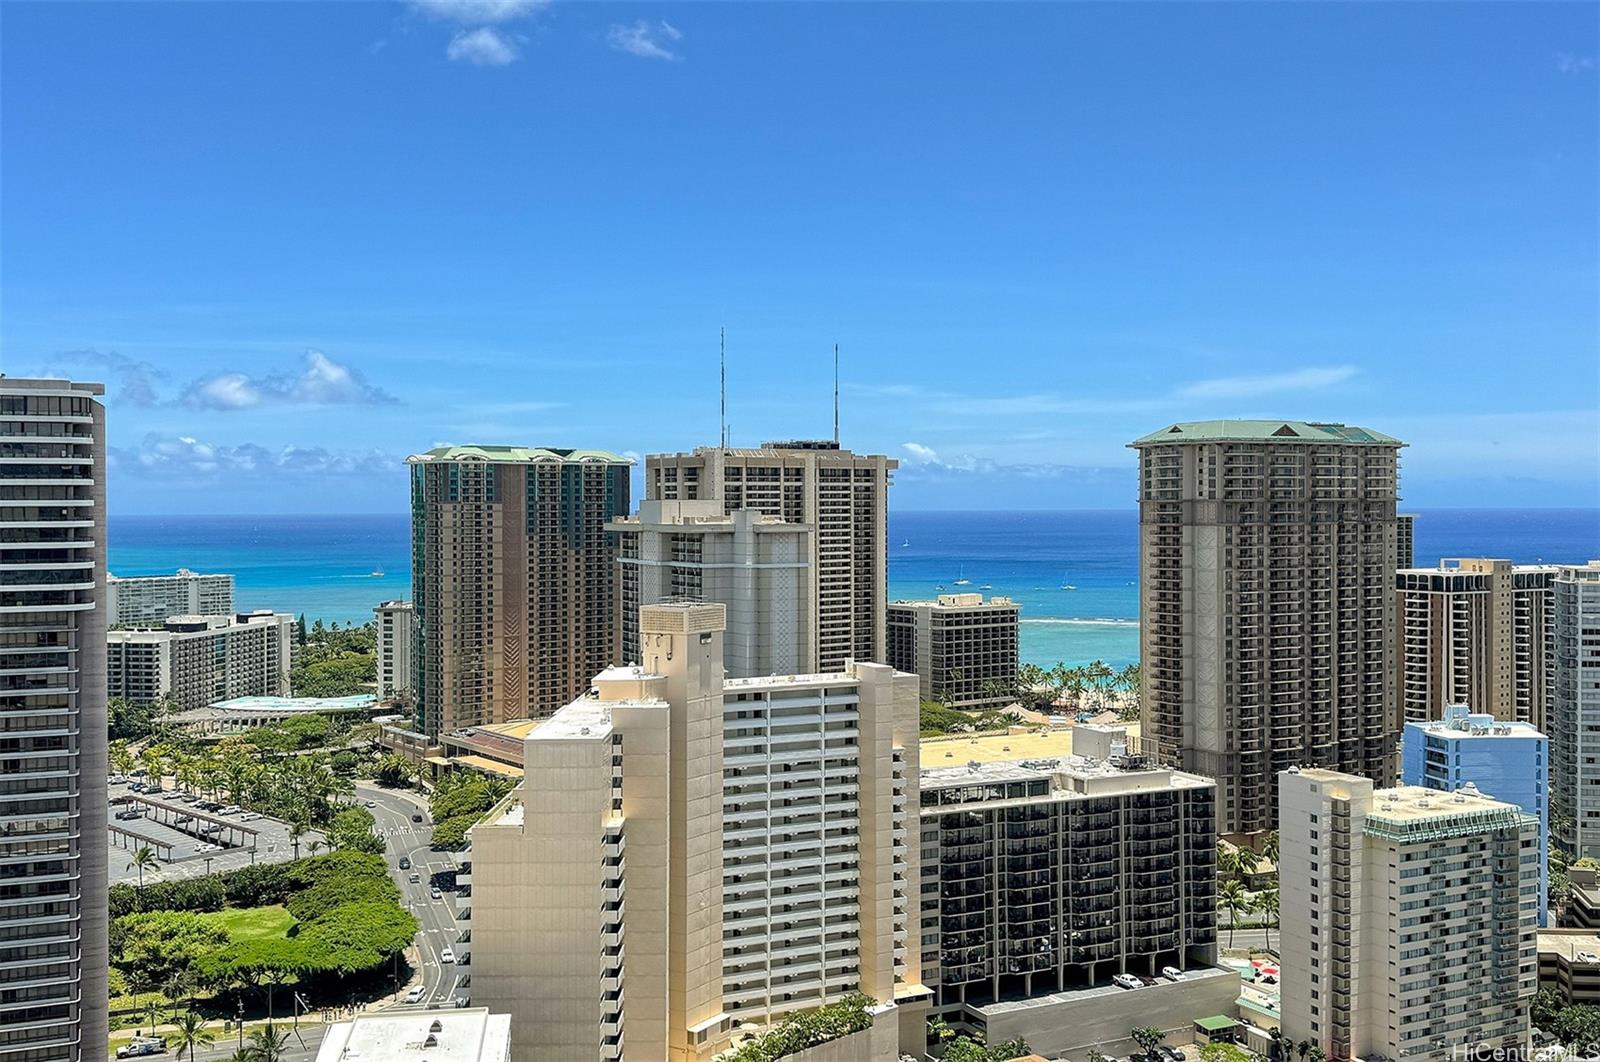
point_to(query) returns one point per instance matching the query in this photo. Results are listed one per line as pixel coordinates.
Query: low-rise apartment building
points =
(1409, 917)
(963, 648)
(198, 660)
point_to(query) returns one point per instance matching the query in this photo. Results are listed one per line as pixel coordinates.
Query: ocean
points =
(1075, 572)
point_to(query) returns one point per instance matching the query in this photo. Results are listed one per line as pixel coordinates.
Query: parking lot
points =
(174, 830)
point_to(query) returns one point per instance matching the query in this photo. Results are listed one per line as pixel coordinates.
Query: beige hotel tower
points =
(688, 854)
(842, 496)
(1266, 562)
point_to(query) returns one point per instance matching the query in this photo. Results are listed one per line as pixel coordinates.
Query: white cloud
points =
(477, 12)
(647, 40)
(135, 381)
(1567, 63)
(1270, 384)
(918, 454)
(483, 46)
(324, 382)
(187, 457)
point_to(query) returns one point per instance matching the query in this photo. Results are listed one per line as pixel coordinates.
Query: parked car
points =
(416, 994)
(447, 956)
(1146, 981)
(228, 809)
(1127, 981)
(1172, 973)
(461, 1001)
(1170, 1053)
(137, 787)
(250, 816)
(182, 820)
(141, 1046)
(117, 779)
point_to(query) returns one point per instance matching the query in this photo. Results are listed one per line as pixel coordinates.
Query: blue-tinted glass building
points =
(1506, 760)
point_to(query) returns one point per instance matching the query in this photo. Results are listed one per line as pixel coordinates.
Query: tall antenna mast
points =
(723, 367)
(836, 394)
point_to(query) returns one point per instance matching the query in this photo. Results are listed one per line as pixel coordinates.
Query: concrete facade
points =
(1409, 918)
(1475, 631)
(197, 660)
(1507, 761)
(149, 599)
(1047, 876)
(513, 579)
(395, 623)
(842, 496)
(1574, 724)
(961, 647)
(1266, 559)
(759, 566)
(1405, 544)
(53, 923)
(745, 838)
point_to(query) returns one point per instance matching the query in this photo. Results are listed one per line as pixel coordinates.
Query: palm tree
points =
(297, 828)
(1301, 1048)
(192, 1033)
(314, 845)
(1267, 904)
(152, 761)
(1248, 860)
(1227, 860)
(122, 761)
(142, 858)
(1269, 848)
(267, 1044)
(152, 1010)
(1232, 898)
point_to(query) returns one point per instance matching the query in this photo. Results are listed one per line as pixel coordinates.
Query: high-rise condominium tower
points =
(688, 853)
(1574, 723)
(759, 566)
(150, 599)
(1409, 918)
(1405, 542)
(1266, 557)
(843, 496)
(53, 947)
(396, 626)
(962, 647)
(512, 579)
(1474, 632)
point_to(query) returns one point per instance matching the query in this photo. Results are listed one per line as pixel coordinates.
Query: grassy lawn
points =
(252, 923)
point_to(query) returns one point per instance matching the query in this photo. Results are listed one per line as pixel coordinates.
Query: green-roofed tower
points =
(513, 579)
(1267, 556)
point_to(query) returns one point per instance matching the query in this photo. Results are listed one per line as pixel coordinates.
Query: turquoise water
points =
(322, 566)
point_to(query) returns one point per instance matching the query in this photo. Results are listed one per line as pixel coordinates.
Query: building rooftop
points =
(517, 454)
(466, 1035)
(1275, 431)
(1461, 724)
(1068, 774)
(297, 704)
(998, 746)
(181, 573)
(1574, 945)
(961, 601)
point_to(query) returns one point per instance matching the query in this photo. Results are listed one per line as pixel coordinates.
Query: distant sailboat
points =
(962, 579)
(906, 543)
(1064, 584)
(986, 586)
(377, 573)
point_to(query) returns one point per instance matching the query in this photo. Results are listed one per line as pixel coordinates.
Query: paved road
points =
(441, 926)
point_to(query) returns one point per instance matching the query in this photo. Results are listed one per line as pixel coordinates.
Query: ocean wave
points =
(1059, 622)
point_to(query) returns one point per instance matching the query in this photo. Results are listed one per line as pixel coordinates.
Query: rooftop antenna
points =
(836, 394)
(723, 367)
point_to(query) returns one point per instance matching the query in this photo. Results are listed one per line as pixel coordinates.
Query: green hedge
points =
(814, 1027)
(258, 885)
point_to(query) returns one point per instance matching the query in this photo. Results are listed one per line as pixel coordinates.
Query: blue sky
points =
(301, 240)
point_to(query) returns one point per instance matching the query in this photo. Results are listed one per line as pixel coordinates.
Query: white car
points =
(117, 779)
(416, 994)
(447, 956)
(250, 816)
(1127, 981)
(1172, 973)
(229, 809)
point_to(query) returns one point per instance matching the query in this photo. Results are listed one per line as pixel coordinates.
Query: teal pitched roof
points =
(1266, 431)
(517, 453)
